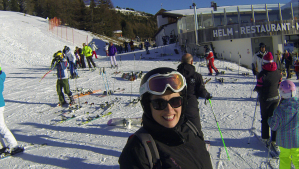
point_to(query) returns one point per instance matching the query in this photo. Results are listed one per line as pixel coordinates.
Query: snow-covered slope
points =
(26, 49)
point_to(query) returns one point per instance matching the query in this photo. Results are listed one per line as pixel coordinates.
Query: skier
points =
(78, 62)
(287, 57)
(87, 51)
(147, 45)
(268, 81)
(132, 45)
(297, 68)
(72, 62)
(94, 48)
(285, 121)
(82, 57)
(210, 57)
(5, 133)
(112, 52)
(59, 61)
(196, 88)
(126, 46)
(258, 58)
(179, 144)
(106, 49)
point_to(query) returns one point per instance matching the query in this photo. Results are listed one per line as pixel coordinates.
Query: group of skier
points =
(279, 107)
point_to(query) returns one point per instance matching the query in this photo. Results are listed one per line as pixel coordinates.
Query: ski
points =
(207, 81)
(89, 92)
(90, 119)
(229, 80)
(31, 146)
(271, 150)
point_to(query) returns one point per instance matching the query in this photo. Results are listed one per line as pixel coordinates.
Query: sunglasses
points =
(161, 104)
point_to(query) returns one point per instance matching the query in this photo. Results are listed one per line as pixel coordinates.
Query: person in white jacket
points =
(94, 48)
(257, 59)
(72, 62)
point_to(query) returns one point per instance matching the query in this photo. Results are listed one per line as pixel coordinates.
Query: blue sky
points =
(153, 6)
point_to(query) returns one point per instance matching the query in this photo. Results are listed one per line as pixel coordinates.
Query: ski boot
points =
(3, 150)
(217, 73)
(72, 101)
(210, 74)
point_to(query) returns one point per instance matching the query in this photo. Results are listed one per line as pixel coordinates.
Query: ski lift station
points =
(233, 32)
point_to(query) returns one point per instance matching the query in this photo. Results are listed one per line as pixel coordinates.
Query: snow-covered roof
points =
(220, 9)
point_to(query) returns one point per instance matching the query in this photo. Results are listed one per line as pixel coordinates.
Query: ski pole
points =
(253, 120)
(48, 72)
(219, 129)
(252, 87)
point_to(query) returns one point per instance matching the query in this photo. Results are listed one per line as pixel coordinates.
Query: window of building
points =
(260, 16)
(286, 13)
(246, 17)
(274, 15)
(219, 19)
(207, 21)
(232, 18)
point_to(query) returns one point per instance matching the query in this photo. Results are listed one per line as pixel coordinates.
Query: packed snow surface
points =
(26, 50)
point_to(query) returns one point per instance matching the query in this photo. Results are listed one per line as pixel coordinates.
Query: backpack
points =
(150, 146)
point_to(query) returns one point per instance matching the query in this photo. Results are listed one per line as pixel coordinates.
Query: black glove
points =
(208, 96)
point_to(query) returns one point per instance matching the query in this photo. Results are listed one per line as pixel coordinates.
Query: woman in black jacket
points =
(179, 144)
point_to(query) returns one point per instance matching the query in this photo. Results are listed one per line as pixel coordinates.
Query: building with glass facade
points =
(234, 31)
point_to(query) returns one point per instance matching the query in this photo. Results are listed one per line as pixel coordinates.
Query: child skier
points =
(285, 121)
(59, 61)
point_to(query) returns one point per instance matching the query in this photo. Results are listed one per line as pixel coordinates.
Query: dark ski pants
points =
(288, 67)
(89, 59)
(267, 109)
(63, 83)
(82, 60)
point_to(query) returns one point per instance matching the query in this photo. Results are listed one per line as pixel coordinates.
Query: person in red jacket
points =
(210, 57)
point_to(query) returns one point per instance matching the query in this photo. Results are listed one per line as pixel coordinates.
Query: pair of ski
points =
(229, 80)
(116, 72)
(134, 102)
(31, 146)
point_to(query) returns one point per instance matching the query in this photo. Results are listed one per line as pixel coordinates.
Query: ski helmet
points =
(157, 81)
(287, 89)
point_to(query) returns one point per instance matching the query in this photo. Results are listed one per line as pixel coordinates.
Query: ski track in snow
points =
(26, 50)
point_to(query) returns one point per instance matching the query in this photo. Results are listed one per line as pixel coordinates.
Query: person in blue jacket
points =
(60, 62)
(5, 133)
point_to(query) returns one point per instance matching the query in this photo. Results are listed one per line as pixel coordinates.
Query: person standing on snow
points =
(287, 57)
(196, 88)
(147, 45)
(285, 121)
(60, 62)
(210, 57)
(126, 47)
(179, 144)
(82, 57)
(5, 133)
(87, 51)
(268, 81)
(257, 59)
(112, 52)
(94, 48)
(72, 62)
(106, 49)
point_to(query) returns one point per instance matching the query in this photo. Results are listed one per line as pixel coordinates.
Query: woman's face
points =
(170, 116)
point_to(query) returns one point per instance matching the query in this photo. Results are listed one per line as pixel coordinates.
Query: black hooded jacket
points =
(178, 147)
(195, 85)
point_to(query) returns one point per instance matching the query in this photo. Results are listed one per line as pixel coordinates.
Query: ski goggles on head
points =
(161, 104)
(158, 83)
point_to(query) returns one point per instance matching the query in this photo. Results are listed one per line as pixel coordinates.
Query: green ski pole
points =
(219, 130)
